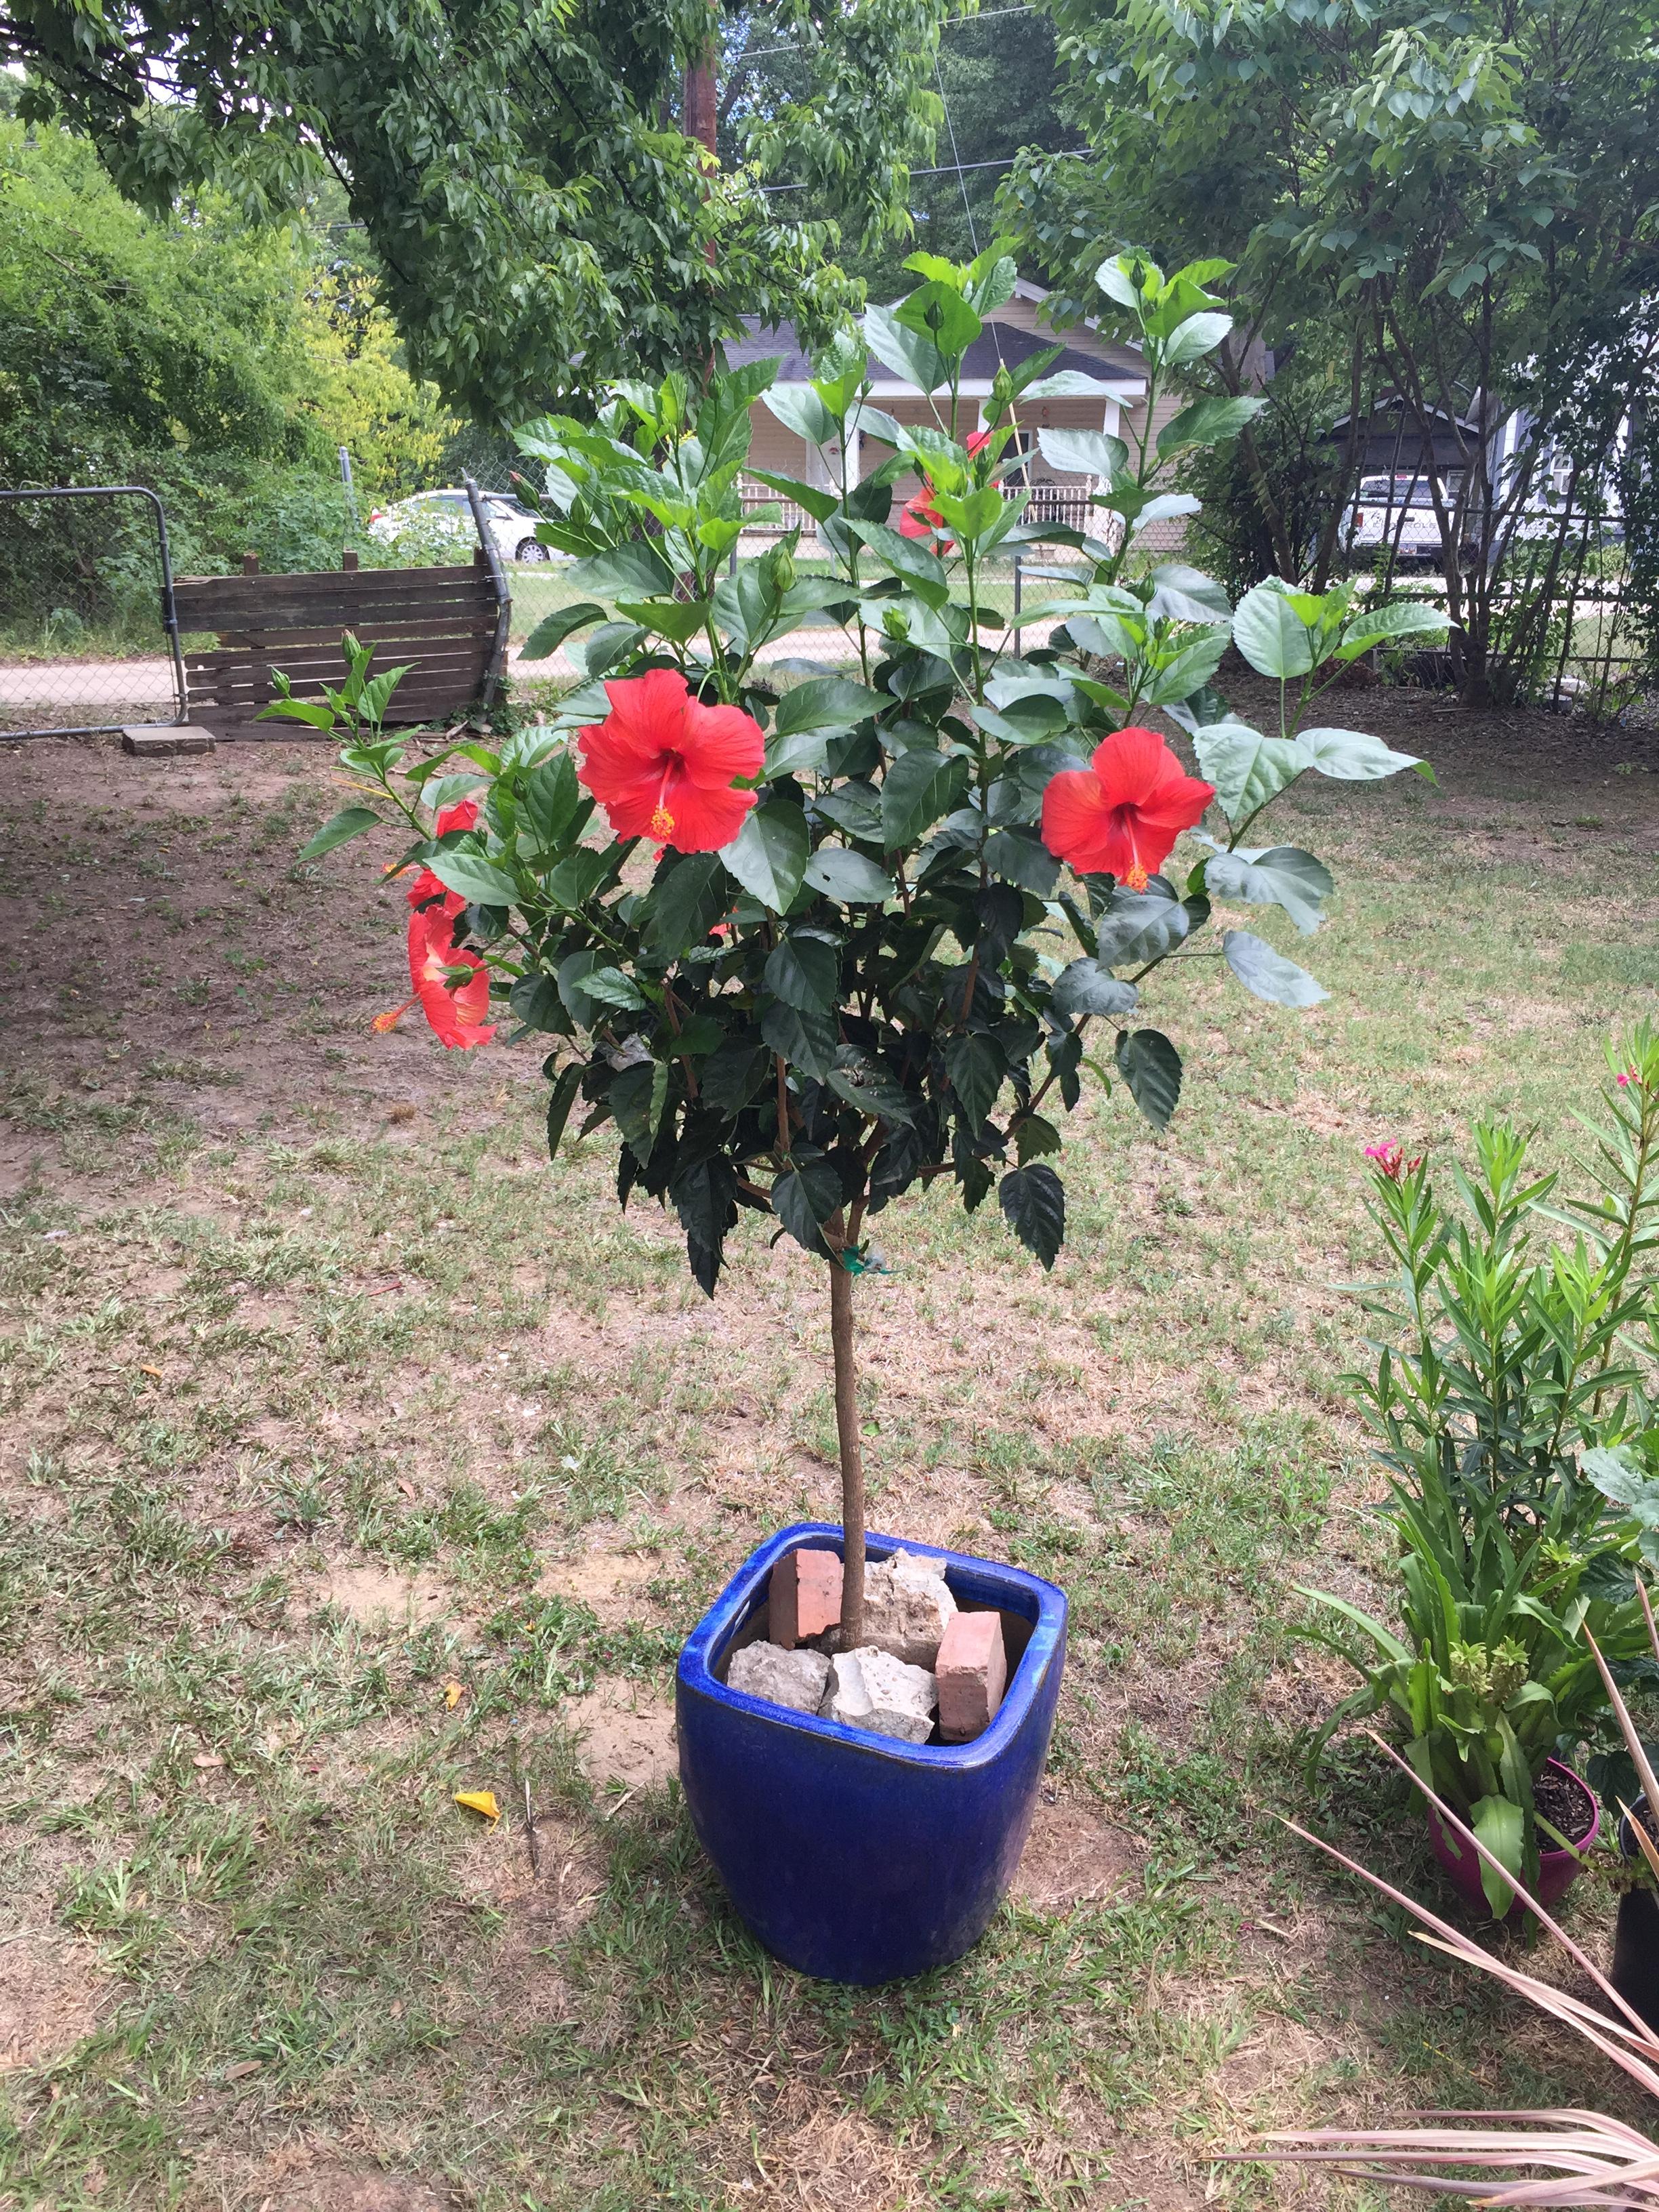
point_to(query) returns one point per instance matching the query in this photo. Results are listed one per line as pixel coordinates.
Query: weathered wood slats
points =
(441, 623)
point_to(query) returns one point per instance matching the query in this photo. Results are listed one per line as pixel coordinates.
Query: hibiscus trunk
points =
(852, 1453)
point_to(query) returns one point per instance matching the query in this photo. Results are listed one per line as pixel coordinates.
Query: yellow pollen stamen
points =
(662, 821)
(1137, 877)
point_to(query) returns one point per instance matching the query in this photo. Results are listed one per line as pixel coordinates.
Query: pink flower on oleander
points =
(1390, 1160)
(1624, 1079)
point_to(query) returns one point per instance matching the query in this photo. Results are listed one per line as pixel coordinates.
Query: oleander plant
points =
(810, 933)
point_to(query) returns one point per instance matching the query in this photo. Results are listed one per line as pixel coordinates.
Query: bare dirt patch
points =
(608, 1582)
(371, 1594)
(830, 2160)
(328, 2186)
(626, 1734)
(1072, 1857)
(50, 1991)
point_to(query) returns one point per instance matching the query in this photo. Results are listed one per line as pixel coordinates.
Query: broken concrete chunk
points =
(972, 1674)
(795, 1678)
(906, 1604)
(804, 1595)
(871, 1689)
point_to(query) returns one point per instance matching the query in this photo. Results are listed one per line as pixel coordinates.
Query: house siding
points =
(782, 453)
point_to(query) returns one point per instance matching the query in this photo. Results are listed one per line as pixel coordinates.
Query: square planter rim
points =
(727, 1613)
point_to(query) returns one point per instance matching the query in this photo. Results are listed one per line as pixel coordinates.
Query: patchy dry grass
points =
(322, 1392)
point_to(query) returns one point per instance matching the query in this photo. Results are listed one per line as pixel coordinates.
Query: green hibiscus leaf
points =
(1150, 1066)
(1033, 1199)
(918, 788)
(1283, 875)
(1267, 973)
(805, 972)
(770, 854)
(803, 1199)
(686, 901)
(479, 882)
(976, 1065)
(851, 878)
(1086, 987)
(350, 822)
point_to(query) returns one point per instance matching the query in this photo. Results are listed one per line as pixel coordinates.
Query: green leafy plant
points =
(1505, 1363)
(1489, 1676)
(355, 709)
(805, 946)
(1511, 1410)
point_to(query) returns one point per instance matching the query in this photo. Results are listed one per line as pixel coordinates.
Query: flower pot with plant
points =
(1511, 1409)
(802, 945)
(1635, 1969)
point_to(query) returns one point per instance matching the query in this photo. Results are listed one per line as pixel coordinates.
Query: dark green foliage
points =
(858, 994)
(541, 226)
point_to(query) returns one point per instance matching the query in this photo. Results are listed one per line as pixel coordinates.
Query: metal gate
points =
(88, 635)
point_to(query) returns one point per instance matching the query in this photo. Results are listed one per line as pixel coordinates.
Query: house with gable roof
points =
(1012, 333)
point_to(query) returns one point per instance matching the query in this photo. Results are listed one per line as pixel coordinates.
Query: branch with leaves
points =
(806, 949)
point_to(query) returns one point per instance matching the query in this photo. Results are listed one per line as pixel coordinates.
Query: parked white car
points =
(441, 518)
(1400, 514)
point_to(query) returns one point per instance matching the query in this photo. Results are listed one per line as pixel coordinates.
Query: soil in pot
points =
(1559, 1797)
(1567, 1802)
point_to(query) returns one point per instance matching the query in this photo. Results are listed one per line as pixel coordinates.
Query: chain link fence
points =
(87, 636)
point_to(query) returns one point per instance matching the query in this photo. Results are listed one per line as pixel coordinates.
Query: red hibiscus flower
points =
(662, 764)
(451, 984)
(920, 518)
(464, 814)
(1121, 815)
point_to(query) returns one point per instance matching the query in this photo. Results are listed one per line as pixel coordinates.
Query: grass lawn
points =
(324, 1392)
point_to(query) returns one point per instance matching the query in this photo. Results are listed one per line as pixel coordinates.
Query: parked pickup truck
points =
(1398, 512)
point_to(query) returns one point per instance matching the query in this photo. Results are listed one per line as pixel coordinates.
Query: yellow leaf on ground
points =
(479, 1801)
(452, 1694)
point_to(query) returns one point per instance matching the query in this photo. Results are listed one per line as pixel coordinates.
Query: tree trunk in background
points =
(700, 117)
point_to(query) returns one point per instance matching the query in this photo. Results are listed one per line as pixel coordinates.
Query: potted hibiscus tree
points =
(811, 935)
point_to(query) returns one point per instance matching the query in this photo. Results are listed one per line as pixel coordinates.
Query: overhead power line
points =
(764, 53)
(960, 168)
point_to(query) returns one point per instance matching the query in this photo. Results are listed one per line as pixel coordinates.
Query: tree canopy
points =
(1461, 197)
(997, 84)
(220, 361)
(542, 224)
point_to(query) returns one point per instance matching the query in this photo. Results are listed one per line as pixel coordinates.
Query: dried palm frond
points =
(1546, 2159)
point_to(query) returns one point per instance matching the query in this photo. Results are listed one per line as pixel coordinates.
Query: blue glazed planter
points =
(853, 1857)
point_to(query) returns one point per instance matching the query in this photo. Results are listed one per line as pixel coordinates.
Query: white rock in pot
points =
(871, 1689)
(907, 1606)
(795, 1678)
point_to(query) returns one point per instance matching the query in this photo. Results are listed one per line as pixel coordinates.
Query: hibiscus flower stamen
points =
(662, 821)
(393, 1016)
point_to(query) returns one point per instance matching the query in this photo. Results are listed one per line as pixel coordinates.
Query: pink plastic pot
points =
(1557, 1870)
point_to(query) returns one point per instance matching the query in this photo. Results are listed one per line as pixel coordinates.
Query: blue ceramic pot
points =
(853, 1857)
